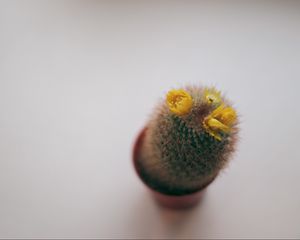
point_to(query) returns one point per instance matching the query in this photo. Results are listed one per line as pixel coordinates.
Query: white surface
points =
(77, 82)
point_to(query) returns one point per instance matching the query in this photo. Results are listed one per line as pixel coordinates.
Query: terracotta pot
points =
(169, 201)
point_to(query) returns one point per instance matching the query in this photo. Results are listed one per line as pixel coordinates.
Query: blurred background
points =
(78, 80)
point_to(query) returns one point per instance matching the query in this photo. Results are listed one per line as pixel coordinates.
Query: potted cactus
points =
(189, 138)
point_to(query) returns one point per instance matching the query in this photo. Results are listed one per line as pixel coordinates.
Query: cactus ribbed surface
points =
(188, 140)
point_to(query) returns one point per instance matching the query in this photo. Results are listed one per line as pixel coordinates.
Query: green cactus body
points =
(178, 155)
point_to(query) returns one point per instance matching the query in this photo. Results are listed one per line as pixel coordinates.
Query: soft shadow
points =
(175, 221)
(144, 217)
(150, 220)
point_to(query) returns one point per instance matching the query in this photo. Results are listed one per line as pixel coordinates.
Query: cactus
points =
(188, 140)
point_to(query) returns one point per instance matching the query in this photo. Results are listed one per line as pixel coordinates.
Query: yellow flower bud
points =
(179, 101)
(220, 120)
(212, 96)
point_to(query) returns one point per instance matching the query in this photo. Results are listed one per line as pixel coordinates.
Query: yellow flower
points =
(220, 120)
(179, 101)
(212, 96)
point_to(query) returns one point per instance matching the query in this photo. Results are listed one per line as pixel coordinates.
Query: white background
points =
(78, 80)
